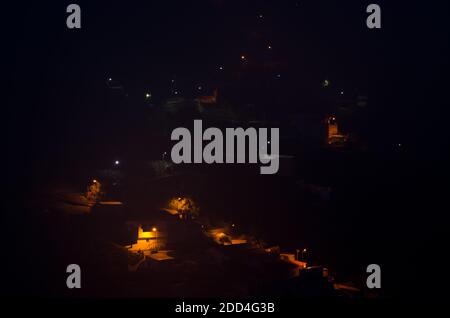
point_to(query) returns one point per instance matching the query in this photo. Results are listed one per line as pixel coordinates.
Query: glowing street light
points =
(243, 57)
(116, 162)
(148, 95)
(269, 47)
(154, 229)
(220, 68)
(303, 251)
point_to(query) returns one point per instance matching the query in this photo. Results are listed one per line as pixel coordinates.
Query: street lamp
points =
(303, 252)
(116, 162)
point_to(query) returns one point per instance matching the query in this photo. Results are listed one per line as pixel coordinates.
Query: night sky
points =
(57, 73)
(58, 77)
(58, 89)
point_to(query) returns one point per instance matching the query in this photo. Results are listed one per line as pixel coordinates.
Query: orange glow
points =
(145, 234)
(183, 206)
(154, 229)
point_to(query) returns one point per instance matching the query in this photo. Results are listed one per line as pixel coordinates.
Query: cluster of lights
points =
(221, 68)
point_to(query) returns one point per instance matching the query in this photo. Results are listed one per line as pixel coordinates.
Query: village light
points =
(154, 229)
(116, 162)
